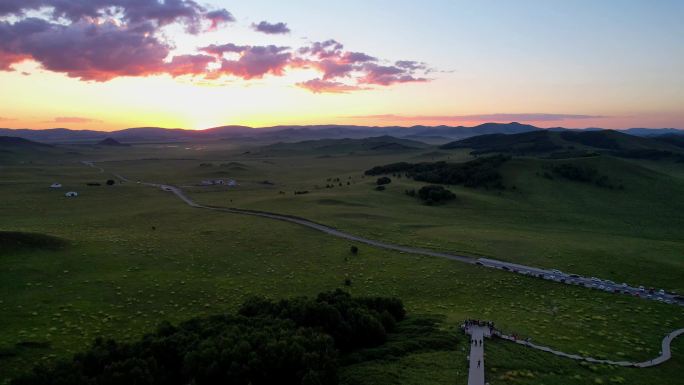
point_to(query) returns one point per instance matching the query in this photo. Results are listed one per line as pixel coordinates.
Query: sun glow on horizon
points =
(377, 73)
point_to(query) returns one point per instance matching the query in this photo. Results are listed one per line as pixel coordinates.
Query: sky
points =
(114, 64)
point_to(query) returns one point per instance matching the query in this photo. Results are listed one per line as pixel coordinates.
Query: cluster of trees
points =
(383, 180)
(582, 173)
(301, 192)
(338, 181)
(432, 194)
(109, 182)
(295, 341)
(353, 323)
(481, 172)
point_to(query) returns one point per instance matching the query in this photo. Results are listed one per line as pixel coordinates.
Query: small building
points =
(56, 185)
(71, 194)
(219, 182)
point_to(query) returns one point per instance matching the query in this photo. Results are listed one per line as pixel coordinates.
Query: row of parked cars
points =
(594, 283)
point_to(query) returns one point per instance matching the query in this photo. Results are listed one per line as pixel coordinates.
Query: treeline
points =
(296, 341)
(481, 172)
(583, 173)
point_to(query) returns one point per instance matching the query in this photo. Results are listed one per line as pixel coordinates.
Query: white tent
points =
(56, 185)
(71, 194)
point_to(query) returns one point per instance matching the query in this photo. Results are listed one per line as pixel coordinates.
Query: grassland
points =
(551, 223)
(136, 255)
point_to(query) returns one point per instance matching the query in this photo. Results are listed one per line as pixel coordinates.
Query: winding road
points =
(476, 357)
(665, 351)
(554, 275)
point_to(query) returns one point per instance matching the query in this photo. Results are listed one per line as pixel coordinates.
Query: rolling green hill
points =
(572, 144)
(13, 149)
(379, 144)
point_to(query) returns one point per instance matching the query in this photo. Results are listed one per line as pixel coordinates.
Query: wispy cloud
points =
(498, 117)
(4, 119)
(72, 119)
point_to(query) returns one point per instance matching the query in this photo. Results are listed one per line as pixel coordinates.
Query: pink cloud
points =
(271, 29)
(257, 61)
(100, 40)
(323, 86)
(189, 65)
(387, 75)
(161, 13)
(218, 18)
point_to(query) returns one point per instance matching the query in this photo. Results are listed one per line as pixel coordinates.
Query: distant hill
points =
(111, 142)
(383, 143)
(16, 150)
(673, 139)
(16, 142)
(572, 142)
(294, 133)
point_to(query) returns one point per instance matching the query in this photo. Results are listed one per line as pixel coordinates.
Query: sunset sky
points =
(113, 64)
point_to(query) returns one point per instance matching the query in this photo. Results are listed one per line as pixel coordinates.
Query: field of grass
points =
(556, 223)
(136, 256)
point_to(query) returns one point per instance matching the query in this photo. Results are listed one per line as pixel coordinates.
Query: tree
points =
(433, 194)
(383, 180)
(354, 250)
(110, 182)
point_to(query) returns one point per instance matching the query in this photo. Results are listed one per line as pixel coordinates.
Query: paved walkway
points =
(476, 371)
(665, 352)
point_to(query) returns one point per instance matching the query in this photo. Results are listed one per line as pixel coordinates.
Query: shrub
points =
(433, 194)
(383, 180)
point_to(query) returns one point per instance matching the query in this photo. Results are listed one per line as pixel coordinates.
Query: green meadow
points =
(134, 255)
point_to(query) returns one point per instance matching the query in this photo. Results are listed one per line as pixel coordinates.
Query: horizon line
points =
(337, 125)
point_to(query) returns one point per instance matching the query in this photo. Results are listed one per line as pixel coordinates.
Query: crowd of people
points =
(475, 322)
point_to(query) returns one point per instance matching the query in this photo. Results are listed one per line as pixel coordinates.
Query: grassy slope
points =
(119, 277)
(554, 223)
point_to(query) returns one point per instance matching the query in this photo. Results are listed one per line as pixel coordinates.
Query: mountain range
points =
(427, 134)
